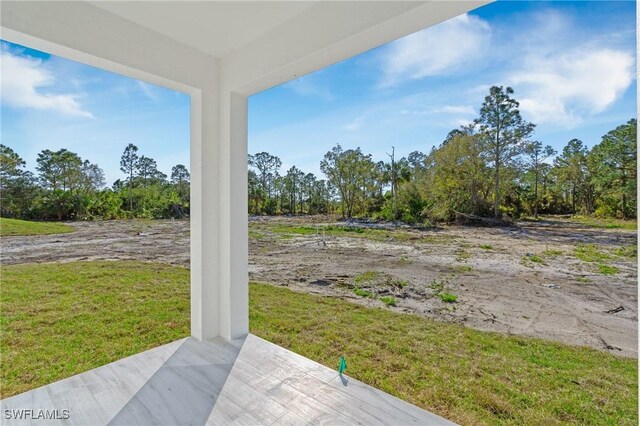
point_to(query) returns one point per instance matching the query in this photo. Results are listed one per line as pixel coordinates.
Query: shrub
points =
(448, 297)
(388, 300)
(363, 293)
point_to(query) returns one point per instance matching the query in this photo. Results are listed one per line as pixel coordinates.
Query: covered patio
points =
(241, 381)
(219, 53)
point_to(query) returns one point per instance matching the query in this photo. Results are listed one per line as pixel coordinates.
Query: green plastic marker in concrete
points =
(342, 366)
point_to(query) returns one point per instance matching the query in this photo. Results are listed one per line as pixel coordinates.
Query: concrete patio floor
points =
(246, 381)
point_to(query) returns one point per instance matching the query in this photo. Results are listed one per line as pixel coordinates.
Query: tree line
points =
(491, 167)
(66, 187)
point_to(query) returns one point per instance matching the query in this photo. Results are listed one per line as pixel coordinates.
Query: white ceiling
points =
(260, 43)
(213, 27)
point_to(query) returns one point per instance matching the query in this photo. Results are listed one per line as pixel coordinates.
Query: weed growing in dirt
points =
(462, 255)
(363, 293)
(400, 283)
(583, 280)
(437, 286)
(439, 290)
(607, 269)
(552, 253)
(448, 297)
(388, 300)
(536, 259)
(486, 246)
(255, 235)
(530, 259)
(366, 277)
(590, 253)
(461, 268)
(404, 261)
(628, 251)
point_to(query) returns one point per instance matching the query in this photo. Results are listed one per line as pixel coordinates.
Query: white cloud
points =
(456, 109)
(438, 50)
(148, 91)
(311, 85)
(445, 109)
(565, 87)
(23, 81)
(355, 124)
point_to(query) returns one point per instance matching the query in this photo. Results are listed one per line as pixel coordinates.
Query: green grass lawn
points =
(61, 319)
(11, 227)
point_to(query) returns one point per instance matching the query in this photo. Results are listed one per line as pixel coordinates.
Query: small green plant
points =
(583, 280)
(400, 283)
(437, 286)
(552, 253)
(530, 259)
(404, 261)
(448, 297)
(607, 269)
(486, 246)
(388, 300)
(366, 277)
(462, 255)
(628, 251)
(363, 293)
(461, 268)
(590, 253)
(255, 235)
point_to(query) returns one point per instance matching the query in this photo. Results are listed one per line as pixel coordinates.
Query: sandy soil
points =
(498, 288)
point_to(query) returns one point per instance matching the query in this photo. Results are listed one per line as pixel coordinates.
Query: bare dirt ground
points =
(524, 280)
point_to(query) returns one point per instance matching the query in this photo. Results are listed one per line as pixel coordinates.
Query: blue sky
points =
(572, 66)
(51, 103)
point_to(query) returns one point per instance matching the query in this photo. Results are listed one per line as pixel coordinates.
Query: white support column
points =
(205, 215)
(219, 240)
(234, 243)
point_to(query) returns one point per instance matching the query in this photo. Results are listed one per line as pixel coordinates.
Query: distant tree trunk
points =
(496, 201)
(624, 196)
(394, 183)
(535, 196)
(130, 188)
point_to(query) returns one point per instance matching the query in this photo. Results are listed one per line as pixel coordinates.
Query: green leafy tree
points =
(255, 193)
(458, 179)
(11, 164)
(536, 155)
(128, 166)
(503, 131)
(92, 177)
(181, 178)
(17, 186)
(146, 169)
(571, 167)
(416, 161)
(616, 158)
(348, 171)
(293, 185)
(267, 167)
